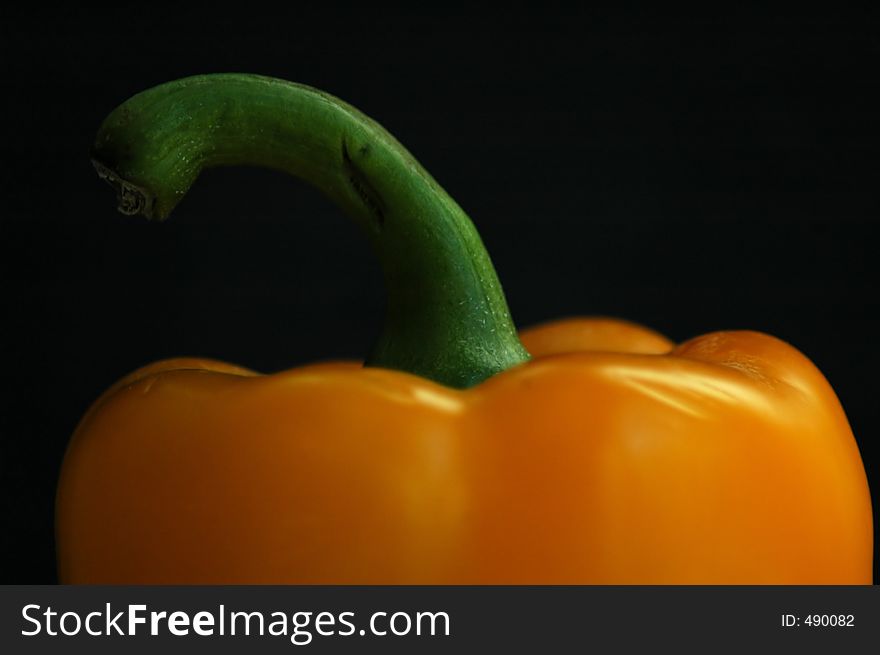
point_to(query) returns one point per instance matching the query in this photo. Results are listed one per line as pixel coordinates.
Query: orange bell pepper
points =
(611, 457)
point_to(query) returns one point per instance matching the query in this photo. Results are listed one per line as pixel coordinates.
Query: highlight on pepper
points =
(584, 451)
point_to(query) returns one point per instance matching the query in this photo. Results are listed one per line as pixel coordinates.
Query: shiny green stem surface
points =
(446, 320)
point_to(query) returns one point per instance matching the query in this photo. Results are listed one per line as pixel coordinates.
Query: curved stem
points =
(446, 319)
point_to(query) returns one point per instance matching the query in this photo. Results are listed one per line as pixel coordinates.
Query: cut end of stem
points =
(131, 199)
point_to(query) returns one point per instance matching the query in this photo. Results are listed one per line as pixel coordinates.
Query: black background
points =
(692, 174)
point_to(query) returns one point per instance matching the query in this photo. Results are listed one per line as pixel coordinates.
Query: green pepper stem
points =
(447, 319)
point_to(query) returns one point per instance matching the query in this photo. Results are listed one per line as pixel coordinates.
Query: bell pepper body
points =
(727, 460)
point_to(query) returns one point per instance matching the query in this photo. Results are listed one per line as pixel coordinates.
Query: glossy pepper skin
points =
(611, 457)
